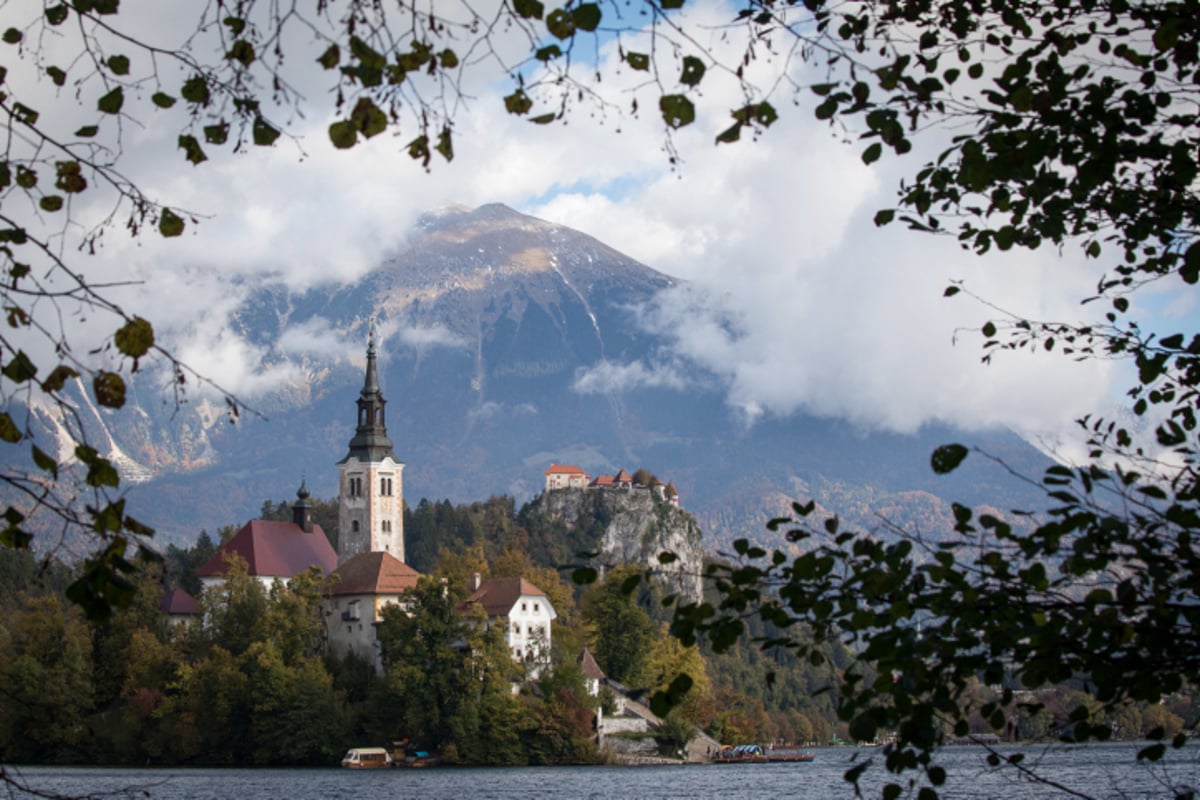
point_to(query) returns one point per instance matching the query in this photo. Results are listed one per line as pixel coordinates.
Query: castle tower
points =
(370, 494)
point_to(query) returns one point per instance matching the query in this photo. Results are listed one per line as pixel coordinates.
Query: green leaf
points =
(263, 133)
(518, 102)
(548, 53)
(135, 338)
(730, 134)
(13, 36)
(217, 133)
(195, 90)
(947, 457)
(884, 217)
(638, 61)
(343, 134)
(871, 155)
(56, 75)
(242, 52)
(331, 57)
(445, 144)
(25, 113)
(693, 71)
(19, 368)
(235, 24)
(8, 429)
(677, 110)
(56, 15)
(587, 16)
(192, 149)
(543, 119)
(51, 203)
(951, 291)
(367, 118)
(109, 388)
(69, 177)
(44, 462)
(111, 103)
(448, 59)
(561, 24)
(58, 378)
(119, 64)
(1190, 271)
(988, 329)
(670, 5)
(162, 99)
(529, 9)
(169, 223)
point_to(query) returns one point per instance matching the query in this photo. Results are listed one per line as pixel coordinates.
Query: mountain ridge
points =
(505, 342)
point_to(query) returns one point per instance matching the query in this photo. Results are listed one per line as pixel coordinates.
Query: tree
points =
(622, 633)
(1071, 123)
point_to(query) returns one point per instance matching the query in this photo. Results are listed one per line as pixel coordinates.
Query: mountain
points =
(488, 319)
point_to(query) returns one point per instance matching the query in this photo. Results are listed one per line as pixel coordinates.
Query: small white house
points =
(524, 610)
(367, 584)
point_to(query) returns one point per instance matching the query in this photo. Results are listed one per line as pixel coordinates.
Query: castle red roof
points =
(499, 595)
(564, 469)
(274, 550)
(374, 573)
(623, 477)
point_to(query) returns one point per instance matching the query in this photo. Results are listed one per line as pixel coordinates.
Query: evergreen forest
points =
(255, 685)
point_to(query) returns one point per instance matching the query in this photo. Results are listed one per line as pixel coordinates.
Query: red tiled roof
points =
(589, 667)
(603, 480)
(564, 469)
(177, 601)
(499, 595)
(374, 573)
(275, 549)
(623, 477)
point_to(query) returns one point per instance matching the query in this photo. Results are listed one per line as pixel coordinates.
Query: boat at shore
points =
(367, 758)
(757, 754)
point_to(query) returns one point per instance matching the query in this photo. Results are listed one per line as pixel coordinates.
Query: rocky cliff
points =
(630, 526)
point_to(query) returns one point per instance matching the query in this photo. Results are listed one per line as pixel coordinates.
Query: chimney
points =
(476, 582)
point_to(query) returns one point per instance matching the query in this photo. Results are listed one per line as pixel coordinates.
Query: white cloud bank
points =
(794, 299)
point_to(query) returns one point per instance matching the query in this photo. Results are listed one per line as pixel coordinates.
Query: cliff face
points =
(631, 526)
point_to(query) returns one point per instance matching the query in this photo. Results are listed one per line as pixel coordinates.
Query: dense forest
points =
(255, 685)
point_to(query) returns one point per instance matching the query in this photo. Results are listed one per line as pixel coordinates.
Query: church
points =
(369, 562)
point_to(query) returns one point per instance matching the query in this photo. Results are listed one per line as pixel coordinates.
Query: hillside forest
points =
(254, 685)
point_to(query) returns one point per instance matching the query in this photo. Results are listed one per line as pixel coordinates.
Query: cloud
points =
(609, 376)
(793, 298)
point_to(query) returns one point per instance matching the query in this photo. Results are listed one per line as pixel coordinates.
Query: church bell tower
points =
(370, 495)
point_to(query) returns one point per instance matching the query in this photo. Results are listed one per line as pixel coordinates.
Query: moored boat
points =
(757, 754)
(366, 758)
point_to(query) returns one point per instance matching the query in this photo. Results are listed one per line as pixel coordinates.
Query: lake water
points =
(1101, 771)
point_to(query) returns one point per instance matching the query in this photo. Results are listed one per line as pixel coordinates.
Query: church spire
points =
(371, 442)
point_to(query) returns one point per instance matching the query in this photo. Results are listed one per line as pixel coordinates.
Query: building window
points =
(517, 628)
(536, 607)
(524, 607)
(354, 526)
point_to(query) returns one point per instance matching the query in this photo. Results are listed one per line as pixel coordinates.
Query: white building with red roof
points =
(523, 609)
(565, 476)
(367, 584)
(275, 551)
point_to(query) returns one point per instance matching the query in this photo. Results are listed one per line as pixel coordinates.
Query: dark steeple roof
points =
(302, 510)
(371, 442)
